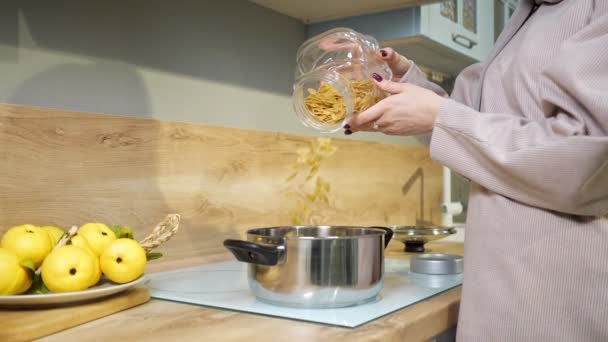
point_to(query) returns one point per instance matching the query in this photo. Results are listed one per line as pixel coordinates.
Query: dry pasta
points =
(308, 199)
(327, 104)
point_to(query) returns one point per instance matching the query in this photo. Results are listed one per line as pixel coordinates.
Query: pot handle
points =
(388, 235)
(254, 253)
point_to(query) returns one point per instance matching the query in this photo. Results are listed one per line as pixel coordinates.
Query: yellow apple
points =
(124, 260)
(81, 242)
(68, 269)
(98, 235)
(28, 242)
(14, 279)
(54, 233)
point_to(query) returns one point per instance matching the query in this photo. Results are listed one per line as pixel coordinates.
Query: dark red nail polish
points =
(383, 53)
(347, 126)
(348, 132)
(377, 77)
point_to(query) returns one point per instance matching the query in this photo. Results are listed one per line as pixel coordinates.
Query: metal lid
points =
(437, 264)
(423, 231)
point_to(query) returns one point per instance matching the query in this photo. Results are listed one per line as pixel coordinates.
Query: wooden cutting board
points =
(26, 325)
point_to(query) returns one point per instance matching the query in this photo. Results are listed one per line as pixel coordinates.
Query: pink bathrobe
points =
(529, 128)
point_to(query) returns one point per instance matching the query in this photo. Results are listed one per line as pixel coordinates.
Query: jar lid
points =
(437, 264)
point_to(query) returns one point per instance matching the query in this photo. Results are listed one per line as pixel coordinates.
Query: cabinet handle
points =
(463, 41)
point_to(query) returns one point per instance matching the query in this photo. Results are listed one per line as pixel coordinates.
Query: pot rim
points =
(376, 230)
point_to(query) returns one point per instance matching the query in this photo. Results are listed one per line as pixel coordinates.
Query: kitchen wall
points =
(223, 181)
(223, 63)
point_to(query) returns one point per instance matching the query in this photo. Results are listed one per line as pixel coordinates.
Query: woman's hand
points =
(409, 110)
(399, 64)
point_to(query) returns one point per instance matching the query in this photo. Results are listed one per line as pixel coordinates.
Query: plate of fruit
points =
(46, 266)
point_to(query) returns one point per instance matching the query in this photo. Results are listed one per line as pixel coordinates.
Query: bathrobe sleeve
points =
(467, 79)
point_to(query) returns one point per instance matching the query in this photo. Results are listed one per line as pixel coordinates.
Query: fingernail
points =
(383, 53)
(347, 126)
(348, 132)
(377, 77)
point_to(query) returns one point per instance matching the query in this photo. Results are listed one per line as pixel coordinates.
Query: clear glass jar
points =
(333, 78)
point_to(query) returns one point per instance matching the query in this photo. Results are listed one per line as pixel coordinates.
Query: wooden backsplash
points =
(65, 168)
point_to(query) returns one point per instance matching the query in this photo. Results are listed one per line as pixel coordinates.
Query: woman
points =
(529, 128)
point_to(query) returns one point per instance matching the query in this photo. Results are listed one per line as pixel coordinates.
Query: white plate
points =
(103, 289)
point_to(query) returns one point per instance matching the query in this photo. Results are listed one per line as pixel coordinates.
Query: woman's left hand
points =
(409, 110)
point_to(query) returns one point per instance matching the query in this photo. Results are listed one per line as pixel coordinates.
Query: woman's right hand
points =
(399, 64)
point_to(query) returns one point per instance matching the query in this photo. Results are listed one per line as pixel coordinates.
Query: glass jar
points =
(333, 78)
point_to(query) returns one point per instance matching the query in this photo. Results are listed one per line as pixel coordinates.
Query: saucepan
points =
(314, 266)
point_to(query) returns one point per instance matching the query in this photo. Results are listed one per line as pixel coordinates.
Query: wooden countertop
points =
(166, 321)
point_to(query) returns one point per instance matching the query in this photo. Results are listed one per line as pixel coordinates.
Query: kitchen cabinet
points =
(508, 8)
(445, 36)
(313, 11)
(465, 26)
(504, 9)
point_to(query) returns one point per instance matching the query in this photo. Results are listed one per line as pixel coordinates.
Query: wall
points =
(223, 63)
(226, 63)
(64, 168)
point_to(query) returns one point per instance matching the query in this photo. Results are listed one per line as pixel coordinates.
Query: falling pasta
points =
(327, 104)
(308, 198)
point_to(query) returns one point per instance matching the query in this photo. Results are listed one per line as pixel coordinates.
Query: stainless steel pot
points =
(314, 267)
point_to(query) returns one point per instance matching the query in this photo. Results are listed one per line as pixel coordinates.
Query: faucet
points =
(448, 208)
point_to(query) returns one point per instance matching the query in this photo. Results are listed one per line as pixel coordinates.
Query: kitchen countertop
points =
(160, 320)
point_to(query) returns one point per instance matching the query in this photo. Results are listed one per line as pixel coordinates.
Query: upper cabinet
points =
(466, 26)
(504, 11)
(446, 36)
(312, 11)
